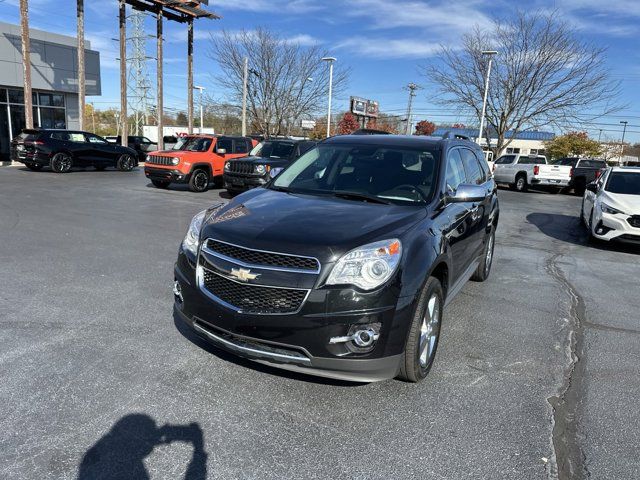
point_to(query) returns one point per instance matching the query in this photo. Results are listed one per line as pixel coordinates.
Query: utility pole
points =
(190, 76)
(245, 75)
(201, 108)
(124, 133)
(624, 130)
(81, 75)
(160, 85)
(330, 61)
(412, 87)
(138, 76)
(490, 54)
(26, 63)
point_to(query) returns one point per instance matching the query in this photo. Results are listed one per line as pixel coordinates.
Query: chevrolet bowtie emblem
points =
(243, 274)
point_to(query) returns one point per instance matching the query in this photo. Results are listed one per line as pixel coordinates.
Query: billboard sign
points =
(363, 107)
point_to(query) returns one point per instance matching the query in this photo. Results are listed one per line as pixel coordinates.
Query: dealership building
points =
(54, 80)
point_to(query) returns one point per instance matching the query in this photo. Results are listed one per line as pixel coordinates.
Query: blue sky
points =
(384, 42)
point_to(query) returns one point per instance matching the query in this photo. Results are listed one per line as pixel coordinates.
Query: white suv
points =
(611, 205)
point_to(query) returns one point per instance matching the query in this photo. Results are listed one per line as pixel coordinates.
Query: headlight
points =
(175, 161)
(609, 209)
(227, 166)
(192, 238)
(368, 266)
(261, 169)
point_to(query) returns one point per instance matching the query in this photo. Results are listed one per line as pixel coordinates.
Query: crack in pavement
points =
(567, 404)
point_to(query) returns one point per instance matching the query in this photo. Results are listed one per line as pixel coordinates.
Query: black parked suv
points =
(263, 162)
(63, 149)
(343, 264)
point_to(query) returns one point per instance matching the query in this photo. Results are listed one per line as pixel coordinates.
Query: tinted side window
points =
(239, 146)
(60, 136)
(505, 160)
(305, 147)
(225, 143)
(471, 167)
(591, 164)
(455, 171)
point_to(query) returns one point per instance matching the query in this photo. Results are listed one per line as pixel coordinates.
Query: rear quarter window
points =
(591, 164)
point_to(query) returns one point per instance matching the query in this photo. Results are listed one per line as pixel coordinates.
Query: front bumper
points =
(238, 182)
(166, 174)
(610, 227)
(300, 341)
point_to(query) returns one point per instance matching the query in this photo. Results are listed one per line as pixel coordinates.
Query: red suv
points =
(195, 160)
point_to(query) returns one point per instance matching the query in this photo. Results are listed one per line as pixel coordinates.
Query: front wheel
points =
(199, 181)
(484, 268)
(125, 163)
(424, 333)
(61, 162)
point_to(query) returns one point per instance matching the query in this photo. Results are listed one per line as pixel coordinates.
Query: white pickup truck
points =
(523, 171)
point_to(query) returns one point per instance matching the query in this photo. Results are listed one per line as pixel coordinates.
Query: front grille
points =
(241, 167)
(159, 160)
(267, 259)
(634, 221)
(253, 298)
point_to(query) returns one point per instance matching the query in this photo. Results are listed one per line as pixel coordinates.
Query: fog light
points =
(177, 291)
(360, 338)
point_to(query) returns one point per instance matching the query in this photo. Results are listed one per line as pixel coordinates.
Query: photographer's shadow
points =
(121, 452)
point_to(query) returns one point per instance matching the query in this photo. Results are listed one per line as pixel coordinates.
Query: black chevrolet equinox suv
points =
(342, 265)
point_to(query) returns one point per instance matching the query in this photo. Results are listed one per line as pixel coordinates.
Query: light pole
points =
(330, 61)
(196, 87)
(624, 130)
(490, 54)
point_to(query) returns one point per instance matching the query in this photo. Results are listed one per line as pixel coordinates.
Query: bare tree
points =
(287, 82)
(543, 76)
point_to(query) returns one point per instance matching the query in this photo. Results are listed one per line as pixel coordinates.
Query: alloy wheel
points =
(201, 180)
(61, 163)
(429, 331)
(489, 255)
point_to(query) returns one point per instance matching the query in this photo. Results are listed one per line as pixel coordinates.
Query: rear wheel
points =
(61, 162)
(199, 181)
(125, 163)
(34, 166)
(160, 183)
(424, 333)
(521, 183)
(484, 268)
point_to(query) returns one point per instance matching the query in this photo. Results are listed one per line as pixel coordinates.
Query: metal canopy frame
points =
(182, 11)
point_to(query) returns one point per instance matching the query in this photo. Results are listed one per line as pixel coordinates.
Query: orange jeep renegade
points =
(195, 160)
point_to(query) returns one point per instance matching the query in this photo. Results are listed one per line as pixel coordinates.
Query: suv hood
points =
(318, 226)
(263, 160)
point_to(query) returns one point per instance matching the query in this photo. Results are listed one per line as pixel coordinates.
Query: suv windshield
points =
(273, 150)
(193, 144)
(365, 172)
(624, 183)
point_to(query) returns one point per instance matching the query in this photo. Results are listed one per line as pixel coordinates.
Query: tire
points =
(34, 166)
(484, 269)
(160, 183)
(199, 181)
(521, 183)
(99, 168)
(61, 162)
(125, 163)
(424, 333)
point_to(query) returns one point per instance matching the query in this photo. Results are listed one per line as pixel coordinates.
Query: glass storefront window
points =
(3, 95)
(17, 119)
(16, 96)
(52, 118)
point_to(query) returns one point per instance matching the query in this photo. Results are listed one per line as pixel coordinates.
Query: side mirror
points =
(274, 172)
(221, 151)
(592, 187)
(466, 193)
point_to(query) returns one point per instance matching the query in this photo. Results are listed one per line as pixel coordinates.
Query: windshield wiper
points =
(280, 189)
(360, 196)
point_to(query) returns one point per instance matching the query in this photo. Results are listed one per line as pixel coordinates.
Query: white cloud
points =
(390, 47)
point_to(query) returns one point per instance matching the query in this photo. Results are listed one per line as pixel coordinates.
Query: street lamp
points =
(196, 87)
(624, 130)
(490, 54)
(330, 61)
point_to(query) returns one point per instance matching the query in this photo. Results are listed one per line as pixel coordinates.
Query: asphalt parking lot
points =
(537, 374)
